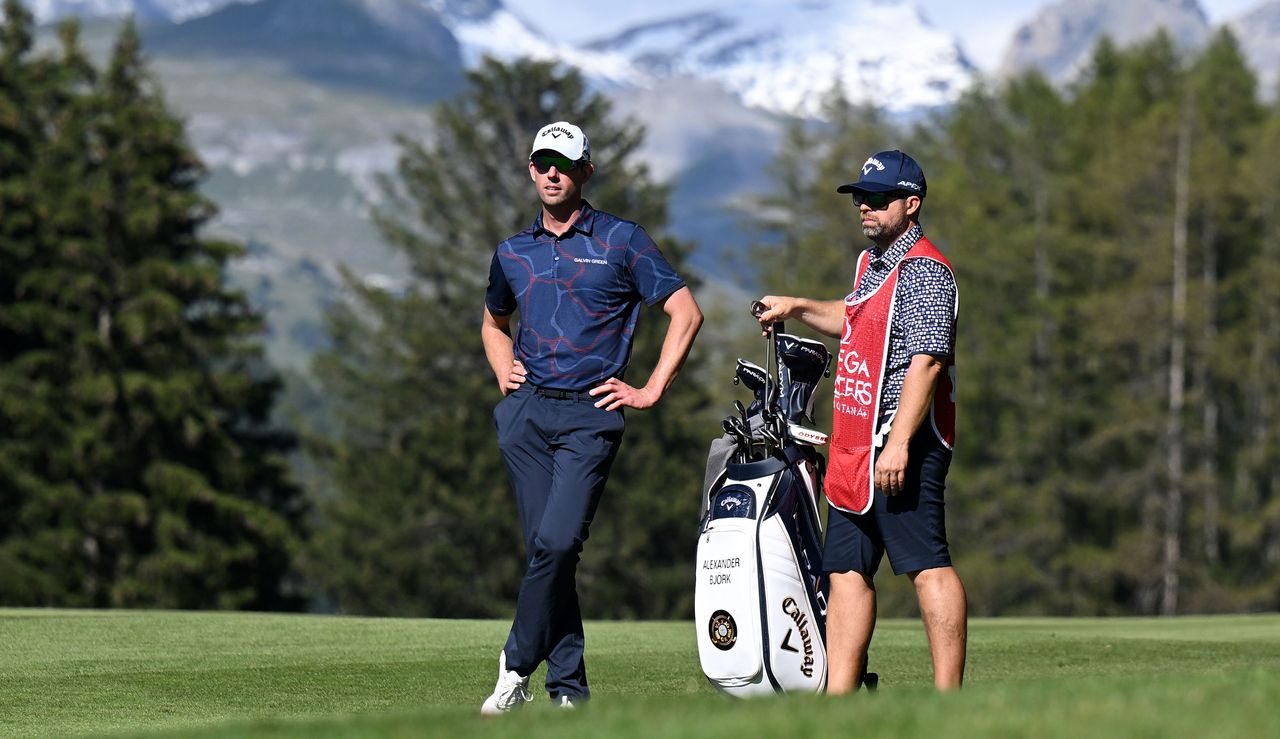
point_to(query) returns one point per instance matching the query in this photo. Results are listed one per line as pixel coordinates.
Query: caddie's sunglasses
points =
(875, 200)
(544, 162)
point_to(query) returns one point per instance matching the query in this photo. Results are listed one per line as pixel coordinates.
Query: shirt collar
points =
(584, 223)
(886, 258)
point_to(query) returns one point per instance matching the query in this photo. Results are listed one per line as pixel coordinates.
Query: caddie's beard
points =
(872, 232)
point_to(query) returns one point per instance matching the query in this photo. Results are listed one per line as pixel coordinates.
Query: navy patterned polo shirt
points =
(578, 295)
(923, 311)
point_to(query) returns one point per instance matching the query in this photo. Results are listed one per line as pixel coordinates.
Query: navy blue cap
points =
(889, 171)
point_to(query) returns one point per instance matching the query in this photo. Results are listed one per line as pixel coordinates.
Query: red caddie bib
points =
(864, 352)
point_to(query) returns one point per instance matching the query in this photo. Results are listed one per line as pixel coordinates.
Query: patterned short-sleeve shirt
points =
(579, 296)
(924, 310)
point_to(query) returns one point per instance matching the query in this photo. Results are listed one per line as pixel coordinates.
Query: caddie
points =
(893, 427)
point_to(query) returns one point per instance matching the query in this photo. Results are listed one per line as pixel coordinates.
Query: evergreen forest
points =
(1116, 244)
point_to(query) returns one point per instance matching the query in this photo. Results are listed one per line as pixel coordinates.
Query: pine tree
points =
(1220, 117)
(810, 237)
(1224, 237)
(149, 474)
(996, 204)
(1249, 314)
(815, 229)
(423, 523)
(20, 137)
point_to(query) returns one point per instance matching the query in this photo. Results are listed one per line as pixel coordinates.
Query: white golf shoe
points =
(511, 692)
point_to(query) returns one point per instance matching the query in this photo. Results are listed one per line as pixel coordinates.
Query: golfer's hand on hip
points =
(514, 379)
(614, 394)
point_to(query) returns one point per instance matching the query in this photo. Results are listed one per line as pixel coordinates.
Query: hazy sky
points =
(983, 26)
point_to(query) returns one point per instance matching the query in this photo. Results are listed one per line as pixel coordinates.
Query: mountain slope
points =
(489, 28)
(293, 105)
(778, 55)
(146, 10)
(385, 46)
(1259, 35)
(785, 57)
(1060, 39)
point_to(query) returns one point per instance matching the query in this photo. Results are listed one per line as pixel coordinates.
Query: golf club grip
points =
(758, 309)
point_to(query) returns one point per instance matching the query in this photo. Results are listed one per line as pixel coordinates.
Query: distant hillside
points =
(368, 45)
(294, 105)
(144, 10)
(1259, 34)
(1061, 37)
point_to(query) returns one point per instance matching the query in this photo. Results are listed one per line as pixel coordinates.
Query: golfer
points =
(577, 276)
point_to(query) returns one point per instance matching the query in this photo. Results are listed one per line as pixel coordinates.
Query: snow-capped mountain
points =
(782, 56)
(1060, 39)
(778, 55)
(489, 28)
(786, 56)
(294, 105)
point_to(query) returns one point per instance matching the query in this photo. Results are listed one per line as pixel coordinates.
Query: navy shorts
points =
(910, 526)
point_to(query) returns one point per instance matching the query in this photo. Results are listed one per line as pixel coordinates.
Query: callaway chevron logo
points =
(555, 131)
(801, 619)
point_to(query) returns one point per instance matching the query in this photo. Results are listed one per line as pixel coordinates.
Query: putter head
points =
(806, 435)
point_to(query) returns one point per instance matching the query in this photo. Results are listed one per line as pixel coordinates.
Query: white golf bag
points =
(759, 603)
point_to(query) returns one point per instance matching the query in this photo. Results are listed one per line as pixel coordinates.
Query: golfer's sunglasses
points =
(544, 162)
(875, 200)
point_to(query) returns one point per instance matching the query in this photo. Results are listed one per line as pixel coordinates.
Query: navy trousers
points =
(557, 452)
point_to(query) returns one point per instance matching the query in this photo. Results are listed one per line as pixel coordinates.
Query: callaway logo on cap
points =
(564, 138)
(889, 171)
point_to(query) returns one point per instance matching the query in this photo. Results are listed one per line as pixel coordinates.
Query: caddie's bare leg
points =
(851, 619)
(944, 610)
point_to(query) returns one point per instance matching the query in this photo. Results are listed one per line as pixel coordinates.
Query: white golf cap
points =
(564, 138)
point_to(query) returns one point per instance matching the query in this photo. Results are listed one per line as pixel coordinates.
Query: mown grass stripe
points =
(122, 673)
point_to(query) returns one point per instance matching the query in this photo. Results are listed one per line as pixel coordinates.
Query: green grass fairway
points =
(133, 673)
